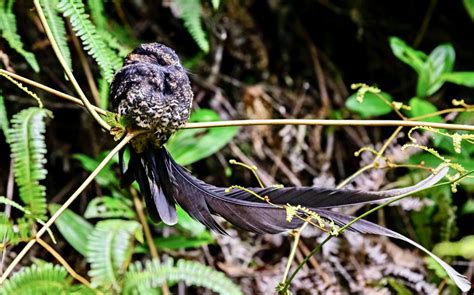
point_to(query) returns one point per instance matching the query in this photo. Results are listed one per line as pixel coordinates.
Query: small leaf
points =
(439, 62)
(371, 106)
(73, 227)
(460, 78)
(469, 6)
(463, 248)
(191, 145)
(414, 58)
(421, 107)
(182, 242)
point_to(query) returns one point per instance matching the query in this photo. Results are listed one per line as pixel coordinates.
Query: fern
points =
(44, 278)
(8, 30)
(140, 278)
(57, 26)
(98, 13)
(26, 140)
(95, 46)
(109, 249)
(3, 117)
(190, 14)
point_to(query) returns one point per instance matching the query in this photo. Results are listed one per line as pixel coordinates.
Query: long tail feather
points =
(366, 227)
(245, 210)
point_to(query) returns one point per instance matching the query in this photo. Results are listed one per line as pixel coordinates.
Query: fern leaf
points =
(191, 16)
(38, 279)
(140, 277)
(3, 117)
(93, 44)
(57, 26)
(98, 13)
(26, 140)
(109, 248)
(8, 30)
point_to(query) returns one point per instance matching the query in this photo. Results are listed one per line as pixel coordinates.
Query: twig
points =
(61, 260)
(297, 235)
(408, 123)
(394, 123)
(71, 199)
(50, 90)
(68, 72)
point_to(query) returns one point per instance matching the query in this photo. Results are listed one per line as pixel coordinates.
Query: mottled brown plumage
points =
(152, 89)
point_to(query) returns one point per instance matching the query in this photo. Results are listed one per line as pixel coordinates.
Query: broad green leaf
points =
(191, 145)
(182, 242)
(469, 6)
(414, 58)
(109, 207)
(106, 176)
(188, 223)
(371, 106)
(460, 78)
(421, 107)
(73, 227)
(439, 62)
(463, 247)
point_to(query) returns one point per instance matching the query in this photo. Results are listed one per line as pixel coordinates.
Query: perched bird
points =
(154, 92)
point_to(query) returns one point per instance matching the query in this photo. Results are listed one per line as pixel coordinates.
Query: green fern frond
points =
(109, 249)
(38, 279)
(26, 140)
(3, 117)
(95, 46)
(140, 277)
(191, 16)
(8, 30)
(98, 13)
(58, 27)
(24, 88)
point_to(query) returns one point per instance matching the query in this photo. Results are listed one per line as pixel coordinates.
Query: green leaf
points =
(106, 176)
(439, 62)
(3, 117)
(39, 279)
(8, 30)
(182, 242)
(191, 15)
(469, 6)
(142, 278)
(191, 145)
(463, 248)
(27, 143)
(188, 223)
(421, 107)
(94, 45)
(57, 26)
(109, 248)
(109, 207)
(73, 228)
(460, 78)
(414, 58)
(371, 106)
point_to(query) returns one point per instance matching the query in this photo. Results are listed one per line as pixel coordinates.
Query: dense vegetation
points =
(370, 60)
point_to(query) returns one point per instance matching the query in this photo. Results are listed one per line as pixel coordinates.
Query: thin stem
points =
(50, 90)
(297, 236)
(68, 71)
(357, 173)
(411, 122)
(323, 122)
(66, 204)
(66, 265)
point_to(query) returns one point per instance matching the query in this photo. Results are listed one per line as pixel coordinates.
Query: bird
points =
(152, 90)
